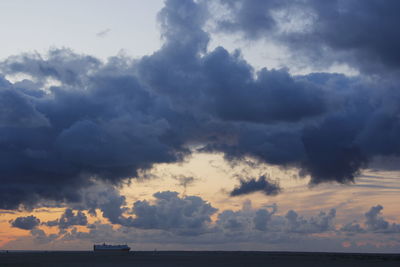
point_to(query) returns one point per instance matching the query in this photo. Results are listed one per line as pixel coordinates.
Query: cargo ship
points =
(105, 247)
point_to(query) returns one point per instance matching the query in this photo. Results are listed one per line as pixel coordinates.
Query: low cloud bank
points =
(191, 216)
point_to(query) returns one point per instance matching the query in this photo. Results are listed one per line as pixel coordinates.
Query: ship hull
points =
(111, 248)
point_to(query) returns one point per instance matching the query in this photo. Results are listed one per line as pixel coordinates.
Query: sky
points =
(200, 125)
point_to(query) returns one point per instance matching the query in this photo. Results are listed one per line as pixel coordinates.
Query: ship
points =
(106, 247)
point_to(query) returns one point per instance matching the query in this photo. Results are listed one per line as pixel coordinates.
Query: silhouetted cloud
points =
(104, 197)
(25, 223)
(175, 220)
(68, 219)
(262, 184)
(184, 181)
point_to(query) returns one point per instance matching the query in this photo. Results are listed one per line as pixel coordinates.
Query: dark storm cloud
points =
(240, 110)
(17, 111)
(25, 223)
(272, 97)
(262, 184)
(323, 30)
(104, 197)
(60, 64)
(250, 17)
(108, 121)
(107, 129)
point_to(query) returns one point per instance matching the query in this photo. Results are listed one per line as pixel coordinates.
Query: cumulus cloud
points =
(318, 224)
(25, 223)
(182, 217)
(40, 236)
(262, 217)
(376, 223)
(107, 121)
(352, 228)
(189, 215)
(104, 197)
(262, 184)
(77, 134)
(68, 219)
(246, 220)
(174, 220)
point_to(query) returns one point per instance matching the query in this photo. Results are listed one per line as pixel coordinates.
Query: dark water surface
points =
(179, 258)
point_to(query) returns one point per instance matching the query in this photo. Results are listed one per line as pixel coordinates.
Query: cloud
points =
(262, 184)
(179, 222)
(262, 218)
(322, 32)
(189, 215)
(185, 181)
(111, 132)
(62, 65)
(318, 224)
(104, 197)
(25, 223)
(103, 33)
(68, 219)
(18, 112)
(40, 236)
(86, 121)
(376, 223)
(245, 220)
(352, 228)
(252, 224)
